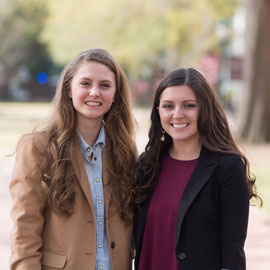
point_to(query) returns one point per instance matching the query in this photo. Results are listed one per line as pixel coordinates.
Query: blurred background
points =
(228, 41)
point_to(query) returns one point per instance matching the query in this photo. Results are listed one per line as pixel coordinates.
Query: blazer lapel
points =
(205, 167)
(81, 174)
(139, 225)
(105, 177)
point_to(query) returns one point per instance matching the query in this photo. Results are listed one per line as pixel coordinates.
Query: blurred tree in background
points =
(22, 55)
(153, 33)
(148, 38)
(256, 104)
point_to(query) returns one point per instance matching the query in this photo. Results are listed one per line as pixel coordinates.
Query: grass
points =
(263, 185)
(17, 119)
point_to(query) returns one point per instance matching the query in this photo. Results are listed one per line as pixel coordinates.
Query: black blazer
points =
(212, 217)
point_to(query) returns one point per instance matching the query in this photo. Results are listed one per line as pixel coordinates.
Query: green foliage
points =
(136, 32)
(21, 23)
(130, 30)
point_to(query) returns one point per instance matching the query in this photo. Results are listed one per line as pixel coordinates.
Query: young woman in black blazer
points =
(192, 183)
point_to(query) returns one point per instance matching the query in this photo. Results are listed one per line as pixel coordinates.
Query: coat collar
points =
(82, 178)
(206, 164)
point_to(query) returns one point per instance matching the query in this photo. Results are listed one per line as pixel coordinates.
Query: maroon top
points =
(159, 233)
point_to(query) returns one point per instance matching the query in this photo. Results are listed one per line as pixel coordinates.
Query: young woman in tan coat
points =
(71, 181)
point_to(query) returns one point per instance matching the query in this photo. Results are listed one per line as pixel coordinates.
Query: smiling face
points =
(178, 111)
(93, 89)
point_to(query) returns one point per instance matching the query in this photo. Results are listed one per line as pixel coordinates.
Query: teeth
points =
(91, 103)
(179, 125)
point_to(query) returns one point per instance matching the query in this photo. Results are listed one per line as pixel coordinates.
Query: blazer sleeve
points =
(27, 209)
(234, 210)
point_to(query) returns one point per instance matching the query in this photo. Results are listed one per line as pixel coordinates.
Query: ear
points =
(158, 109)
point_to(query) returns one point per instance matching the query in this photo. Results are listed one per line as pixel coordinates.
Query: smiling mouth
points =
(179, 125)
(93, 103)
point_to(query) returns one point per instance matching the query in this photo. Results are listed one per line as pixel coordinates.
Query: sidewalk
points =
(5, 204)
(257, 246)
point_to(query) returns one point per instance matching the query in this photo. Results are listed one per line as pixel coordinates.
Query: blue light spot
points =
(42, 77)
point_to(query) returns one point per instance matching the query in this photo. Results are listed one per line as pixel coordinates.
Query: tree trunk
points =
(255, 113)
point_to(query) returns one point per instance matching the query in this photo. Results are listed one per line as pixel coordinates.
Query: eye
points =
(105, 85)
(189, 105)
(167, 106)
(84, 83)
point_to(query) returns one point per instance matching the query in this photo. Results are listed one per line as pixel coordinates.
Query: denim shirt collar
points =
(85, 147)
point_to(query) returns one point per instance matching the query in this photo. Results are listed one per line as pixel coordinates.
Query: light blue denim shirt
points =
(94, 172)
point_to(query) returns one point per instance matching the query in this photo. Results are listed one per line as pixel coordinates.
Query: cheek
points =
(164, 116)
(109, 97)
(195, 116)
(81, 94)
(76, 97)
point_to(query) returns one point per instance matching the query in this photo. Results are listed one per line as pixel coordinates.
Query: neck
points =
(185, 150)
(89, 131)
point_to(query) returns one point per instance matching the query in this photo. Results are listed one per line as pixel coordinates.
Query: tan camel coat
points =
(41, 239)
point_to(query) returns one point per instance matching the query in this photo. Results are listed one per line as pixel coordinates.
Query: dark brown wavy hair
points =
(213, 129)
(57, 169)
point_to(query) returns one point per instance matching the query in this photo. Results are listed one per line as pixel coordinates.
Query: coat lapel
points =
(205, 167)
(81, 174)
(105, 177)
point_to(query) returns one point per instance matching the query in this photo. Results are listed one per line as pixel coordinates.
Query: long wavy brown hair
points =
(57, 169)
(213, 129)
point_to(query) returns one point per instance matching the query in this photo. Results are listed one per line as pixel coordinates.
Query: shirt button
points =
(99, 223)
(100, 267)
(112, 245)
(182, 256)
(88, 149)
(100, 201)
(97, 179)
(99, 245)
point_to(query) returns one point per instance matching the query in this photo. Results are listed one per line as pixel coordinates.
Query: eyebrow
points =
(188, 100)
(89, 79)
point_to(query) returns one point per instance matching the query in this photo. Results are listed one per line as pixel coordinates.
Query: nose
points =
(94, 91)
(178, 113)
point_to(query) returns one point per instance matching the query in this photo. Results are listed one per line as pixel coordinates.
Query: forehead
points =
(94, 70)
(178, 93)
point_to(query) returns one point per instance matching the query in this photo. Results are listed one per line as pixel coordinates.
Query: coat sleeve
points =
(234, 210)
(27, 209)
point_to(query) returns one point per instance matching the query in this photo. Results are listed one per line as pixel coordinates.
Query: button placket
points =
(93, 165)
(99, 213)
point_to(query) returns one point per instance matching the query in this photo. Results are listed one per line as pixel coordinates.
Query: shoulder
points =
(228, 161)
(224, 160)
(231, 170)
(33, 142)
(225, 163)
(29, 154)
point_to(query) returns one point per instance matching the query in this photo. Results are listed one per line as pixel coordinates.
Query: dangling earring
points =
(162, 138)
